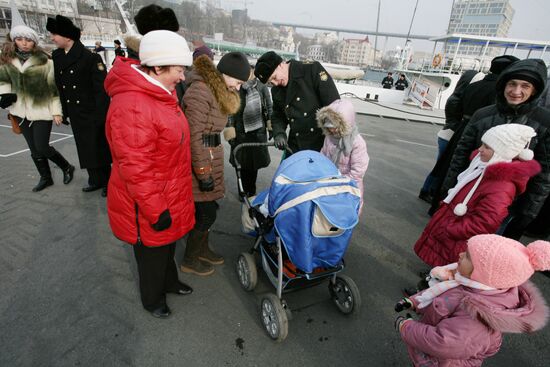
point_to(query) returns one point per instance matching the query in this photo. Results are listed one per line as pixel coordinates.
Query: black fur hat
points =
(63, 26)
(266, 65)
(153, 18)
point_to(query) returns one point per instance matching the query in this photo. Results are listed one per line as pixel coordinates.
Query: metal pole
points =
(456, 53)
(376, 37)
(514, 50)
(543, 51)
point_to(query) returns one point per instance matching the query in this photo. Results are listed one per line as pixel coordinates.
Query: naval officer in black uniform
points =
(299, 90)
(79, 76)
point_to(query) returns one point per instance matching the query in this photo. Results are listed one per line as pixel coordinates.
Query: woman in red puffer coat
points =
(150, 201)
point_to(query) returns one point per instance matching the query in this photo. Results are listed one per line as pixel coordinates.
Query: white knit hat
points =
(19, 28)
(163, 48)
(510, 141)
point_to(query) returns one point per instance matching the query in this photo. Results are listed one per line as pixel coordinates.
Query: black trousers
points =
(249, 177)
(205, 214)
(99, 176)
(157, 274)
(37, 135)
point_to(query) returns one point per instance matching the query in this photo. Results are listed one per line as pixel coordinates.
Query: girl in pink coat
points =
(471, 303)
(343, 144)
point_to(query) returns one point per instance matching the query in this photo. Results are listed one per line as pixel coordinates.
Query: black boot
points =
(66, 167)
(45, 174)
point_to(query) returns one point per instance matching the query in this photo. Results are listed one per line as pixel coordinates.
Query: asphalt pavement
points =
(69, 291)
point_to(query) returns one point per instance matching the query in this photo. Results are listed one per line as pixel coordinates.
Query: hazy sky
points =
(531, 20)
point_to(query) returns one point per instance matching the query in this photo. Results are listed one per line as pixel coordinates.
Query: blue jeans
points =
(431, 180)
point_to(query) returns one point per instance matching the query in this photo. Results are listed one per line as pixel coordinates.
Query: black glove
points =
(164, 221)
(7, 99)
(269, 134)
(232, 143)
(206, 185)
(400, 320)
(403, 304)
(516, 227)
(280, 141)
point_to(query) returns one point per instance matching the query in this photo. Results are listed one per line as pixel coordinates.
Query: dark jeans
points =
(248, 177)
(99, 176)
(37, 135)
(157, 274)
(430, 180)
(205, 215)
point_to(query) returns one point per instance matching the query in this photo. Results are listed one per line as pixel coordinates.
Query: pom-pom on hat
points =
(510, 141)
(503, 263)
(235, 65)
(19, 28)
(154, 18)
(163, 48)
(63, 26)
(266, 65)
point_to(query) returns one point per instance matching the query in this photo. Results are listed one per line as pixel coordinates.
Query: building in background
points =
(356, 52)
(491, 18)
(316, 52)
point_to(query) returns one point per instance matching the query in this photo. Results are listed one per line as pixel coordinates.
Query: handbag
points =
(14, 124)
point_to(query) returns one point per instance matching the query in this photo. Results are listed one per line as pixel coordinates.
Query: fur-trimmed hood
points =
(515, 171)
(205, 71)
(340, 113)
(531, 314)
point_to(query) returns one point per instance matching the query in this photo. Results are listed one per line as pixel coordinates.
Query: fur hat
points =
(504, 263)
(153, 18)
(510, 141)
(163, 48)
(266, 65)
(63, 26)
(499, 63)
(235, 65)
(19, 28)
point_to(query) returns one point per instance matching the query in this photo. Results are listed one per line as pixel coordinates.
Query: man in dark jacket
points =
(387, 82)
(469, 97)
(79, 76)
(518, 90)
(299, 90)
(401, 83)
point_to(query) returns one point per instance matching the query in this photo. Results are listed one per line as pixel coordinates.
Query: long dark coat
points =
(309, 88)
(256, 157)
(79, 76)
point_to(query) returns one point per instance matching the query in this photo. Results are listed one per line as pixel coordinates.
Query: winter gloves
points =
(280, 141)
(400, 321)
(403, 304)
(207, 184)
(164, 221)
(7, 99)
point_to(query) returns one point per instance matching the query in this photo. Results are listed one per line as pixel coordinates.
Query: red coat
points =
(446, 234)
(149, 139)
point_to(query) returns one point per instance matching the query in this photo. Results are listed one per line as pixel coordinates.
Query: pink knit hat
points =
(502, 263)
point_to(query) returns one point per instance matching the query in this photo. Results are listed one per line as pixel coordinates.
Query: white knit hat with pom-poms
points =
(510, 141)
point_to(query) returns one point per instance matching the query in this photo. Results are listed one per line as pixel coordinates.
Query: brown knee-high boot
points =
(206, 254)
(191, 262)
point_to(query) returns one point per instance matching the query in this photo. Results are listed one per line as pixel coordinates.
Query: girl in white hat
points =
(479, 202)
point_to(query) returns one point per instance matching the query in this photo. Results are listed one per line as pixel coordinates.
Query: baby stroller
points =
(303, 224)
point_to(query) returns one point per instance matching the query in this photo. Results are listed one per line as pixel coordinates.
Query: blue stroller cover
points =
(315, 210)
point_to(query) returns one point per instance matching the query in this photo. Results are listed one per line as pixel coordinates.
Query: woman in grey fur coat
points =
(28, 91)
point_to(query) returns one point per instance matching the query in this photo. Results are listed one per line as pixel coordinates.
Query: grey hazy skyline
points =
(432, 16)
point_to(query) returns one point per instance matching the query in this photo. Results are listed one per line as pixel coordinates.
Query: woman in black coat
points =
(251, 125)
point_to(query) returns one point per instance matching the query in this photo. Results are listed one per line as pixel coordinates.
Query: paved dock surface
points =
(69, 293)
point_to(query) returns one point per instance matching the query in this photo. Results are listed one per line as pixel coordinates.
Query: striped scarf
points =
(445, 278)
(252, 113)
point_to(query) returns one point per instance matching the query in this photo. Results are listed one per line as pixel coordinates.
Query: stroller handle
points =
(247, 145)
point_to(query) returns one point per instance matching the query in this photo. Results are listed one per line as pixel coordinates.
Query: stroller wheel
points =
(345, 294)
(274, 317)
(246, 270)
